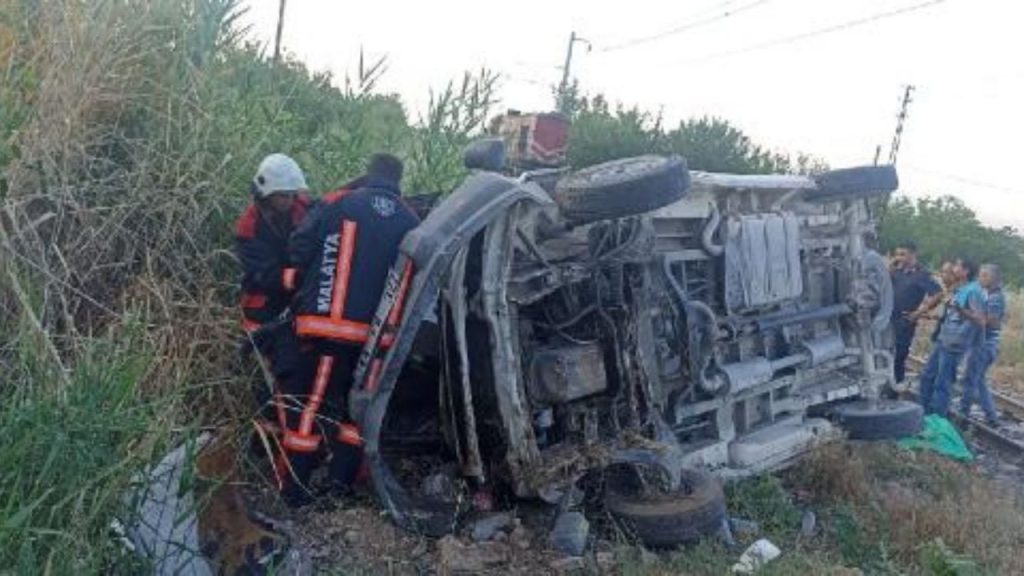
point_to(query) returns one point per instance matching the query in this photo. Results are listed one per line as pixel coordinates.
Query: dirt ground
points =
(879, 509)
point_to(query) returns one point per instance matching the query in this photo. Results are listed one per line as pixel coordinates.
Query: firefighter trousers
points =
(312, 406)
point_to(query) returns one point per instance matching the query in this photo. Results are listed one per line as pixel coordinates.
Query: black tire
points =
(854, 184)
(622, 188)
(885, 420)
(695, 511)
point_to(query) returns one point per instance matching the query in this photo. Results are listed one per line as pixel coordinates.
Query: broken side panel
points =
(762, 261)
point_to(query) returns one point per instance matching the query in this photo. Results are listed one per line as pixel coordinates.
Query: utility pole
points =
(564, 86)
(280, 27)
(901, 119)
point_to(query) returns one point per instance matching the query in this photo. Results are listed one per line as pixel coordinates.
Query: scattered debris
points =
(757, 555)
(648, 558)
(941, 436)
(520, 536)
(567, 564)
(440, 486)
(570, 533)
(454, 557)
(164, 528)
(725, 534)
(488, 527)
(808, 524)
(743, 528)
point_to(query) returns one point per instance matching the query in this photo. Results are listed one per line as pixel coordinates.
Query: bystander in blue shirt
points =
(984, 354)
(957, 335)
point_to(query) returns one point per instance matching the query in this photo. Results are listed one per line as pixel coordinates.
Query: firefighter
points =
(344, 252)
(279, 204)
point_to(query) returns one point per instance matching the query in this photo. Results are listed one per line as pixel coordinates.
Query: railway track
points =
(1000, 437)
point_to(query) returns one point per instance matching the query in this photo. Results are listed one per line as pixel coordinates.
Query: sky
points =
(778, 69)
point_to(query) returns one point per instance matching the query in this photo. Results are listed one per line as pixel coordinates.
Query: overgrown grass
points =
(69, 455)
(129, 131)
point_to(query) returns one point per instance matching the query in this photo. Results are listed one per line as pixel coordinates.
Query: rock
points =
(296, 563)
(605, 562)
(569, 535)
(808, 525)
(489, 526)
(844, 571)
(725, 534)
(454, 557)
(440, 486)
(521, 537)
(743, 528)
(567, 564)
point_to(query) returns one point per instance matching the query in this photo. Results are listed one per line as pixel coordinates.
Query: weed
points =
(938, 560)
(765, 500)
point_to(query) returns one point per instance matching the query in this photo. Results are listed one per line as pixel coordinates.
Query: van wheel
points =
(854, 184)
(881, 420)
(695, 510)
(622, 188)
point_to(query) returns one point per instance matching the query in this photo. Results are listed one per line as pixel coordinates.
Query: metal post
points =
(280, 28)
(564, 85)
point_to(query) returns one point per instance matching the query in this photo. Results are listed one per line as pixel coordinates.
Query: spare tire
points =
(622, 188)
(881, 420)
(854, 183)
(693, 511)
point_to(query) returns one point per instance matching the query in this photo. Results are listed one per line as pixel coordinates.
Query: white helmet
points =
(278, 174)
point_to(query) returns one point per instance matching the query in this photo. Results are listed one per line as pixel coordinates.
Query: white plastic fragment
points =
(757, 555)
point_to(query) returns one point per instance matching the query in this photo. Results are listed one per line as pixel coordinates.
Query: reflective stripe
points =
(343, 269)
(320, 327)
(250, 300)
(288, 278)
(316, 396)
(371, 381)
(298, 442)
(349, 434)
(387, 337)
(250, 325)
(396, 311)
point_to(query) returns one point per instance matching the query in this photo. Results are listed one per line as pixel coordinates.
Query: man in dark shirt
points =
(914, 292)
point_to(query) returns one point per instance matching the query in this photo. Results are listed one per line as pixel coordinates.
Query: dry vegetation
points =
(880, 510)
(128, 133)
(1008, 373)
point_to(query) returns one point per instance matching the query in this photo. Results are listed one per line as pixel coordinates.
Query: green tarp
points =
(939, 435)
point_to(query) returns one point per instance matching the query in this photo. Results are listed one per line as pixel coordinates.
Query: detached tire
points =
(622, 188)
(695, 511)
(884, 420)
(854, 184)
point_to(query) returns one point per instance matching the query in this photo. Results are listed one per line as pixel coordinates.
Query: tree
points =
(944, 227)
(712, 144)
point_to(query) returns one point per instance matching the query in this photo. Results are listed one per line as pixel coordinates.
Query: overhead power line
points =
(966, 180)
(814, 33)
(686, 26)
